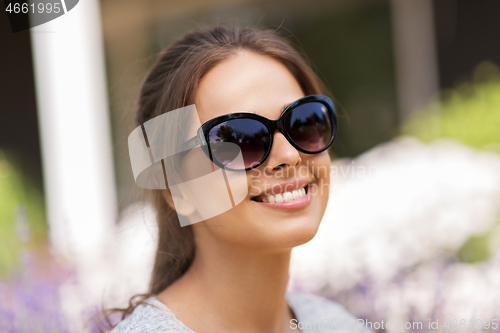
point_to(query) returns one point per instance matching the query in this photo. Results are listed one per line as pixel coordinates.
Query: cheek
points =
(319, 166)
(218, 194)
(239, 225)
(210, 190)
(240, 187)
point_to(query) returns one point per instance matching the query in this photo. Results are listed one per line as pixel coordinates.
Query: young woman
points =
(229, 272)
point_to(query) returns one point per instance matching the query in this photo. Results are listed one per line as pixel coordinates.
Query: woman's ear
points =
(178, 203)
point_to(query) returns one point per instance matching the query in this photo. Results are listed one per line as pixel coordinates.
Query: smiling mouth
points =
(283, 197)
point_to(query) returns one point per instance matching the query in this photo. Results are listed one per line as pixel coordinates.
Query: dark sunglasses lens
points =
(248, 136)
(309, 126)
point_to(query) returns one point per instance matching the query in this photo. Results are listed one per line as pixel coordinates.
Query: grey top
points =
(313, 313)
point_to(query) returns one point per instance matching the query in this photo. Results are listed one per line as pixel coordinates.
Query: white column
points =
(415, 51)
(75, 132)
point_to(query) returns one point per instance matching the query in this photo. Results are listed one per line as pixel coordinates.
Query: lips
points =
(284, 192)
(285, 196)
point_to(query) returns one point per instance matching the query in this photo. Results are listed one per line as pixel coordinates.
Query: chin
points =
(295, 235)
(286, 235)
(294, 229)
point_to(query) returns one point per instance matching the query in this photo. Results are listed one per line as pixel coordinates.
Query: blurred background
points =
(412, 231)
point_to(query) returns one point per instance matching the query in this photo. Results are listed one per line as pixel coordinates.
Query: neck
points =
(235, 288)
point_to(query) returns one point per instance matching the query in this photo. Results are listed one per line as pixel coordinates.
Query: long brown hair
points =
(172, 84)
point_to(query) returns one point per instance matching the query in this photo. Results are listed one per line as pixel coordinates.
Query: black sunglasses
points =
(309, 124)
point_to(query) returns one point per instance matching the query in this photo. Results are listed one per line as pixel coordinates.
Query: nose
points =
(282, 154)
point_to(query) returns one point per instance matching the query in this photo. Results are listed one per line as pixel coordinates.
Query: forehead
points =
(246, 82)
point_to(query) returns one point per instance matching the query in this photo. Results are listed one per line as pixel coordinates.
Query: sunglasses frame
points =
(272, 125)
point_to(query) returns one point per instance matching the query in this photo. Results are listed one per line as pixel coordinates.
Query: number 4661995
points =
(40, 8)
(472, 324)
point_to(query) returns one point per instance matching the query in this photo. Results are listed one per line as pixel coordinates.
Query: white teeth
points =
(285, 196)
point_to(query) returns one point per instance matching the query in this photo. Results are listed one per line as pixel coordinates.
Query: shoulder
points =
(151, 317)
(319, 314)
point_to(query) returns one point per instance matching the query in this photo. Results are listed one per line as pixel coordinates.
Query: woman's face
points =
(248, 82)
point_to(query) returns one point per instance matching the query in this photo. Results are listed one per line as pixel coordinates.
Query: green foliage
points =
(17, 195)
(469, 113)
(475, 249)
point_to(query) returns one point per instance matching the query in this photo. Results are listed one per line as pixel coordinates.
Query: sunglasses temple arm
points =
(190, 144)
